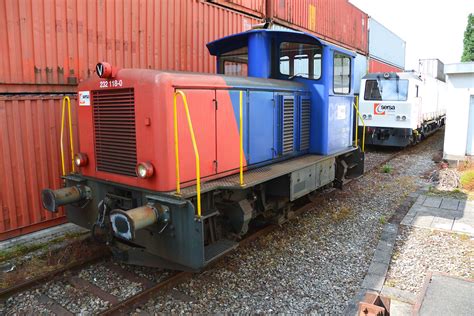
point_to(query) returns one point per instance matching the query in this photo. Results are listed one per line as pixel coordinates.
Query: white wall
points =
(460, 89)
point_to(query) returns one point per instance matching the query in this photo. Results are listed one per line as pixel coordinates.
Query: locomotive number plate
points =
(111, 83)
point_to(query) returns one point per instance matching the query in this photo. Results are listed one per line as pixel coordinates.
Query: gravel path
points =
(418, 251)
(315, 263)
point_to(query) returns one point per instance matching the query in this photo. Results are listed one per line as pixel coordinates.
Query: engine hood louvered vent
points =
(305, 123)
(114, 130)
(288, 126)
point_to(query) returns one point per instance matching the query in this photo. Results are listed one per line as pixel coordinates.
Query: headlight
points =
(144, 170)
(370, 116)
(80, 159)
(398, 117)
(364, 116)
(404, 117)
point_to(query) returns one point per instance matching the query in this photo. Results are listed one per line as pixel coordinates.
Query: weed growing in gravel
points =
(387, 169)
(383, 220)
(342, 213)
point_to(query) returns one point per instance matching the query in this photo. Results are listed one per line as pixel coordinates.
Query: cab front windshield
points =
(386, 90)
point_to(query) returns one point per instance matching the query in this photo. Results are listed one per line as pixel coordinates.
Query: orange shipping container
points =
(58, 43)
(30, 160)
(253, 7)
(379, 66)
(337, 21)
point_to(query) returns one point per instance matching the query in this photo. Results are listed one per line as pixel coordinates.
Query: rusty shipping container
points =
(380, 66)
(52, 45)
(255, 8)
(337, 21)
(30, 128)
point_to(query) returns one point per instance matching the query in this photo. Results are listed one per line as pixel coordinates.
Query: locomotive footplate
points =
(261, 174)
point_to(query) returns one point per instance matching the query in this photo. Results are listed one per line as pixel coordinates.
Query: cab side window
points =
(235, 62)
(342, 74)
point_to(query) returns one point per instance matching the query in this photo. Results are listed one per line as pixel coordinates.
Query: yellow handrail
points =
(176, 146)
(66, 98)
(356, 106)
(241, 136)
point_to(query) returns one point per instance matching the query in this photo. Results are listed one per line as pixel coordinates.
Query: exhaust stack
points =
(126, 223)
(52, 199)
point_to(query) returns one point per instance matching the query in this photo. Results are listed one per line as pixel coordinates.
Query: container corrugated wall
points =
(30, 161)
(253, 7)
(380, 66)
(59, 42)
(49, 46)
(386, 45)
(337, 21)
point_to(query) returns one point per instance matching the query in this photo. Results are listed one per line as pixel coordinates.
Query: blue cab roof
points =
(238, 40)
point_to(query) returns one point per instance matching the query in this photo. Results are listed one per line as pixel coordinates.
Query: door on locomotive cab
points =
(227, 126)
(202, 110)
(262, 122)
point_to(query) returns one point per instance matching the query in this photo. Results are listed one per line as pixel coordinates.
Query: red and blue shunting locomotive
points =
(175, 167)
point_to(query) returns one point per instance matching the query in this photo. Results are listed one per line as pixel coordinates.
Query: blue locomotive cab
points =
(325, 70)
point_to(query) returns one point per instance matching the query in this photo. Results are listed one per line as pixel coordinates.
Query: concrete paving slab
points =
(446, 295)
(420, 199)
(373, 282)
(414, 195)
(450, 204)
(399, 308)
(442, 223)
(385, 245)
(462, 205)
(422, 220)
(432, 201)
(378, 268)
(407, 220)
(463, 228)
(465, 215)
(400, 295)
(441, 212)
(382, 256)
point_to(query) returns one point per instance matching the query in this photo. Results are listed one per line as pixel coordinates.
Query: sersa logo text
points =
(381, 109)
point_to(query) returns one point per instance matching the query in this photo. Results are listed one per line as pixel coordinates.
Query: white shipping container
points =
(432, 67)
(433, 93)
(386, 45)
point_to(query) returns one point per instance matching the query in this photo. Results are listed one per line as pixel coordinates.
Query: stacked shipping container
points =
(50, 46)
(30, 160)
(337, 21)
(386, 49)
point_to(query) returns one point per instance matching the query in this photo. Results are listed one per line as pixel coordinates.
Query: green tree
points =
(468, 53)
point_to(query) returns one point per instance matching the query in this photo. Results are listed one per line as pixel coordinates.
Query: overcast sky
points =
(431, 28)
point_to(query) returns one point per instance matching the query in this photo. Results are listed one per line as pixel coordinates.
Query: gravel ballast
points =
(316, 262)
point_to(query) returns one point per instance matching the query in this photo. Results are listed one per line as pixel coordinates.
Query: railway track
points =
(70, 275)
